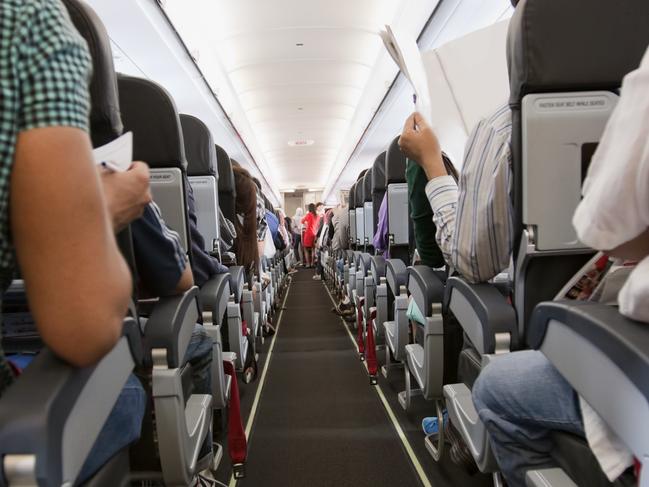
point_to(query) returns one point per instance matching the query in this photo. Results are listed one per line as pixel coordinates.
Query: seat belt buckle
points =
(239, 470)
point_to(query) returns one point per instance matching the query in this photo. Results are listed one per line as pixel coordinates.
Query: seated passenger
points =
(473, 217)
(380, 239)
(521, 397)
(204, 265)
(53, 216)
(421, 213)
(163, 270)
(246, 208)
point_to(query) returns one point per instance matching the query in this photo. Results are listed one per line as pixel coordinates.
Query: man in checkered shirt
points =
(57, 223)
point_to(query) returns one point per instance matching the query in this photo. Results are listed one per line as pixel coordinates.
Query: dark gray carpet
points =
(319, 421)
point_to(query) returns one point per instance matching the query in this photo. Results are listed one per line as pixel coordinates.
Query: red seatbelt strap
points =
(370, 353)
(244, 328)
(360, 339)
(237, 443)
(637, 468)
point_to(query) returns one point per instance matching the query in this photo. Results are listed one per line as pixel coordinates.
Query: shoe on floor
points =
(459, 451)
(317, 277)
(430, 426)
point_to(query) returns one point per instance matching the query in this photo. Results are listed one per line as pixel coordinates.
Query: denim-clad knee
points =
(123, 426)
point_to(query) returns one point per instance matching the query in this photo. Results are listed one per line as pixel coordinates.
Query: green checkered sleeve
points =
(54, 71)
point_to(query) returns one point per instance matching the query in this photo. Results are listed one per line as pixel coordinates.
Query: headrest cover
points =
(224, 170)
(150, 113)
(199, 147)
(227, 187)
(564, 45)
(267, 203)
(367, 186)
(352, 197)
(395, 164)
(378, 174)
(105, 120)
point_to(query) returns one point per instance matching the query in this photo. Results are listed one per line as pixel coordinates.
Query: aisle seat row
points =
(466, 326)
(52, 416)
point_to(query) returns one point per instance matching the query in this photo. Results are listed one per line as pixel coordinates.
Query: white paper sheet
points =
(116, 155)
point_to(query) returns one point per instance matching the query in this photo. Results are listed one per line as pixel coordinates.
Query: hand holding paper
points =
(117, 155)
(405, 52)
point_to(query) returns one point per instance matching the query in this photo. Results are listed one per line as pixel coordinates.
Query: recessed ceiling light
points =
(300, 108)
(301, 142)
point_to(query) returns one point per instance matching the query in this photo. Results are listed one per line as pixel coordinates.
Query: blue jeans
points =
(340, 265)
(199, 355)
(521, 398)
(124, 423)
(122, 427)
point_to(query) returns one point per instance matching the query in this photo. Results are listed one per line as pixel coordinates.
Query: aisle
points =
(319, 423)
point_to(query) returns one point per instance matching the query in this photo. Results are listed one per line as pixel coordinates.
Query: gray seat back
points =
(378, 187)
(203, 177)
(368, 211)
(566, 61)
(352, 214)
(397, 189)
(150, 113)
(360, 210)
(227, 188)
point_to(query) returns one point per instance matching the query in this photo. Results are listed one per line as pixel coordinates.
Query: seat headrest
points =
(360, 189)
(367, 186)
(267, 203)
(199, 147)
(224, 170)
(352, 197)
(227, 186)
(150, 113)
(105, 120)
(395, 164)
(566, 45)
(378, 173)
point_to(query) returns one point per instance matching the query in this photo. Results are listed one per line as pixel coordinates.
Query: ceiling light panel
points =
(275, 91)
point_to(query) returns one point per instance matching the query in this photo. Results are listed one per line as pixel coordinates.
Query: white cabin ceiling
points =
(276, 91)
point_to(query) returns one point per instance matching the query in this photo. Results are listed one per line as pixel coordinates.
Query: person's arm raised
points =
(78, 284)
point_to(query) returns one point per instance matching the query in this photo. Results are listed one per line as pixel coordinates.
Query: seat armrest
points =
(51, 417)
(484, 314)
(624, 341)
(170, 326)
(237, 281)
(396, 273)
(363, 260)
(133, 334)
(212, 292)
(426, 287)
(378, 268)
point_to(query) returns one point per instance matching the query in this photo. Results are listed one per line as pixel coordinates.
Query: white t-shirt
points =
(615, 210)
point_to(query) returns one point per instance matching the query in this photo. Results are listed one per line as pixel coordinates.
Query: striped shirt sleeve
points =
(474, 219)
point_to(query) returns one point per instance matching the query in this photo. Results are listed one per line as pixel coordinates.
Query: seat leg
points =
(435, 443)
(405, 397)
